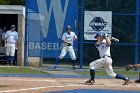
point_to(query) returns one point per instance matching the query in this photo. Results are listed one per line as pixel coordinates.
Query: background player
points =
(67, 39)
(3, 35)
(130, 66)
(103, 46)
(11, 38)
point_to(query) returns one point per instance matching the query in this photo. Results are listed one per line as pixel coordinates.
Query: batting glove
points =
(104, 36)
(128, 67)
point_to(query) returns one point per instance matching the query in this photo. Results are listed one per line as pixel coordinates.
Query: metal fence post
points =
(137, 31)
(81, 33)
(25, 38)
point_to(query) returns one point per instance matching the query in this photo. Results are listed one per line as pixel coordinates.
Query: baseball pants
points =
(106, 63)
(68, 49)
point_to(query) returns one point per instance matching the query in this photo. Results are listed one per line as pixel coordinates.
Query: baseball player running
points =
(11, 38)
(103, 46)
(67, 40)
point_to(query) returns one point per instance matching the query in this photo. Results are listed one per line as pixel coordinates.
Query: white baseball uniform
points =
(68, 38)
(105, 60)
(11, 38)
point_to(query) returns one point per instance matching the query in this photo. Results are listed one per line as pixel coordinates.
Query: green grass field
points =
(20, 70)
(99, 72)
(102, 72)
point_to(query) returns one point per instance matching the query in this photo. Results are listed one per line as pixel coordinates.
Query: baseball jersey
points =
(69, 37)
(103, 49)
(11, 37)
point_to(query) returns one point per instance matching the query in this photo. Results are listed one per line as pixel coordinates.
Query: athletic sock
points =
(92, 74)
(73, 63)
(56, 61)
(8, 59)
(12, 59)
(121, 77)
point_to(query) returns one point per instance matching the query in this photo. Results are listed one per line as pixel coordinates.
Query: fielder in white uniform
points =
(67, 39)
(11, 38)
(105, 61)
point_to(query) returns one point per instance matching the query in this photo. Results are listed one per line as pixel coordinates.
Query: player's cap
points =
(13, 26)
(68, 27)
(98, 34)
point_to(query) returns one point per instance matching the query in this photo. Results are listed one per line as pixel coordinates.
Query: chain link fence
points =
(123, 28)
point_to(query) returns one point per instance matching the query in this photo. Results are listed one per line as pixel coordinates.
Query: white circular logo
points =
(97, 24)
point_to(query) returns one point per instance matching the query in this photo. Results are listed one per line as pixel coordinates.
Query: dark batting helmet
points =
(98, 34)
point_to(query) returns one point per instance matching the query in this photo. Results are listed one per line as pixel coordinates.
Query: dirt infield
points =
(41, 85)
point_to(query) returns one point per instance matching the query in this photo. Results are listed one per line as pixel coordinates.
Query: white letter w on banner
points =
(45, 15)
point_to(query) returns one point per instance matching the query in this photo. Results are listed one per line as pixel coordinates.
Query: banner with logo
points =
(46, 23)
(97, 21)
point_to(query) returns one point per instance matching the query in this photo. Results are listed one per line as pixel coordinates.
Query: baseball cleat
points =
(126, 82)
(90, 82)
(137, 81)
(55, 67)
(11, 65)
(74, 68)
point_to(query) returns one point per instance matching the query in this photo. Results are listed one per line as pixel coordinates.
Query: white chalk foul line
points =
(37, 88)
(47, 80)
(31, 80)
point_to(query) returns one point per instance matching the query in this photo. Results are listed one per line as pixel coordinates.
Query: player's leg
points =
(8, 54)
(72, 55)
(12, 53)
(110, 72)
(62, 54)
(108, 68)
(93, 65)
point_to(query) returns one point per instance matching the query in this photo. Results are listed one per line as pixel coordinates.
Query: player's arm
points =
(5, 39)
(99, 41)
(64, 40)
(16, 44)
(129, 66)
(75, 37)
(136, 66)
(67, 43)
(5, 43)
(108, 42)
